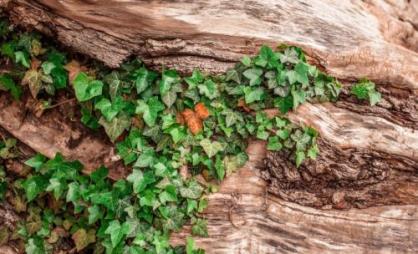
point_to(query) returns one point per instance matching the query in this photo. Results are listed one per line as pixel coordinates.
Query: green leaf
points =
(178, 133)
(35, 246)
(284, 104)
(246, 61)
(374, 97)
(108, 109)
(22, 58)
(117, 231)
(301, 71)
(94, 214)
(274, 144)
(33, 186)
(209, 89)
(298, 97)
(169, 78)
(200, 227)
(86, 88)
(300, 157)
(219, 168)
(195, 79)
(56, 186)
(140, 180)
(7, 84)
(47, 67)
(193, 191)
(73, 193)
(145, 159)
(143, 79)
(169, 97)
(116, 127)
(253, 94)
(211, 148)
(254, 76)
(149, 110)
(313, 151)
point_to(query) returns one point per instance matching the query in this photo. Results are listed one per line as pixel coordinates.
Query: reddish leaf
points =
(201, 111)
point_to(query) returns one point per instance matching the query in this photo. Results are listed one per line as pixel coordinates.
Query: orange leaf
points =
(201, 111)
(194, 123)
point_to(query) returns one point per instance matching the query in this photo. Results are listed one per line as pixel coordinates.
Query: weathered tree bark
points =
(369, 155)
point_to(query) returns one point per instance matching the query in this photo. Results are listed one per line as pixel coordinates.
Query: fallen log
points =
(369, 155)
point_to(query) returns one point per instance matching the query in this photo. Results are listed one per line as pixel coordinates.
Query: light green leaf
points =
(86, 88)
(211, 148)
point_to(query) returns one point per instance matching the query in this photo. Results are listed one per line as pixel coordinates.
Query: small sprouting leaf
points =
(22, 58)
(374, 97)
(300, 157)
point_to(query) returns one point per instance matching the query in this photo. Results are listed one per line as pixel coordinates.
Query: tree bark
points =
(369, 155)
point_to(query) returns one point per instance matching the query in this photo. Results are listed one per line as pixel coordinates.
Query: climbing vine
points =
(169, 128)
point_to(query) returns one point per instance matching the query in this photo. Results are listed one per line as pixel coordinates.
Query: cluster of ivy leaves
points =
(161, 123)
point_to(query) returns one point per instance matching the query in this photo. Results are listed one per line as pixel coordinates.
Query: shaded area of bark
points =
(343, 178)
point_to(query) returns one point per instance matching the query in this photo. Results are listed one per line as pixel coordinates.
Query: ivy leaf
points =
(86, 88)
(313, 151)
(82, 238)
(192, 191)
(298, 97)
(73, 193)
(94, 214)
(195, 79)
(169, 98)
(200, 227)
(211, 148)
(47, 67)
(246, 61)
(33, 79)
(55, 185)
(149, 110)
(374, 97)
(266, 58)
(33, 186)
(301, 71)
(209, 89)
(140, 180)
(284, 104)
(143, 79)
(7, 84)
(274, 144)
(254, 75)
(300, 157)
(169, 78)
(252, 95)
(219, 168)
(116, 127)
(35, 246)
(22, 58)
(108, 109)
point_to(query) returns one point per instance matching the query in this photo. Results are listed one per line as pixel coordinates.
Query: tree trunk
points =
(359, 196)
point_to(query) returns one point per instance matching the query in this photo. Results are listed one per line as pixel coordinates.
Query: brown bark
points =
(369, 155)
